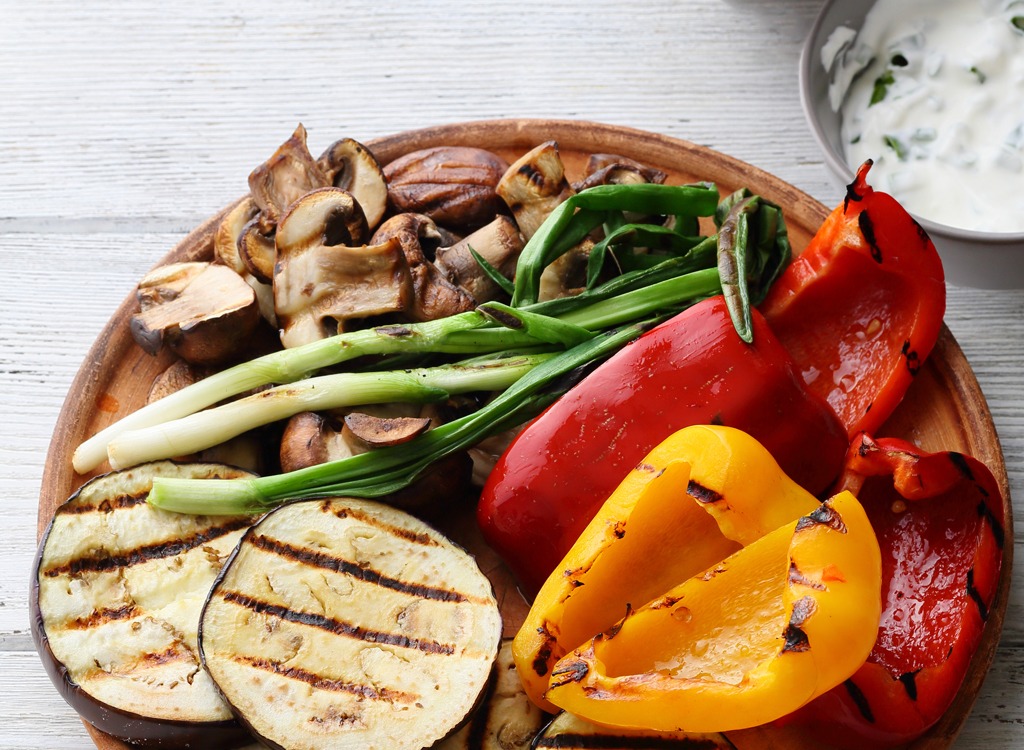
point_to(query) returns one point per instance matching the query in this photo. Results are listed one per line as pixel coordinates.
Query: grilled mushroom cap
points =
(284, 178)
(204, 312)
(453, 185)
(534, 186)
(343, 623)
(226, 250)
(349, 165)
(324, 277)
(116, 600)
(434, 296)
(499, 243)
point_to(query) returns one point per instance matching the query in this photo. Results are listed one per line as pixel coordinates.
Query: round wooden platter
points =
(944, 410)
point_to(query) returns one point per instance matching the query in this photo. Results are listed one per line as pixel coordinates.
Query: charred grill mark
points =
(415, 537)
(976, 596)
(143, 661)
(610, 741)
(325, 561)
(867, 228)
(823, 515)
(960, 462)
(646, 467)
(572, 671)
(535, 177)
(102, 616)
(851, 195)
(717, 420)
(108, 504)
(795, 637)
(337, 627)
(795, 576)
(319, 682)
(619, 529)
(145, 553)
(395, 331)
(860, 701)
(909, 682)
(544, 653)
(998, 532)
(702, 494)
(912, 358)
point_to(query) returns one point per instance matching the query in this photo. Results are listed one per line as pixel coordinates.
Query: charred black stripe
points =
(702, 494)
(960, 462)
(823, 515)
(796, 576)
(867, 228)
(615, 741)
(573, 671)
(108, 504)
(860, 701)
(146, 553)
(997, 528)
(336, 627)
(852, 195)
(909, 682)
(976, 596)
(540, 661)
(370, 520)
(338, 565)
(101, 616)
(534, 175)
(921, 232)
(912, 358)
(327, 683)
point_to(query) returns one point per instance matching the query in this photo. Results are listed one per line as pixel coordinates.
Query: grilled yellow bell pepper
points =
(750, 640)
(701, 495)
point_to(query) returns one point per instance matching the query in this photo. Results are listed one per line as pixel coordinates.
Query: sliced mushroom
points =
(453, 185)
(257, 251)
(599, 162)
(434, 296)
(384, 432)
(499, 243)
(226, 250)
(285, 177)
(204, 312)
(311, 438)
(229, 231)
(320, 282)
(349, 165)
(534, 186)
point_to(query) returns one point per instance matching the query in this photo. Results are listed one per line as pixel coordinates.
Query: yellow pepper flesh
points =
(753, 638)
(701, 495)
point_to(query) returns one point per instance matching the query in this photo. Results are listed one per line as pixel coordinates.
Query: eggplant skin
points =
(343, 624)
(138, 718)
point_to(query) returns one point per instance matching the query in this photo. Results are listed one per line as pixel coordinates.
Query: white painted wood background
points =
(123, 125)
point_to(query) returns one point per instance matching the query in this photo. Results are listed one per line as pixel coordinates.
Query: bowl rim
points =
(837, 163)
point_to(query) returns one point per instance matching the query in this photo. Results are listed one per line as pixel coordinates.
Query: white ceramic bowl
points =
(970, 258)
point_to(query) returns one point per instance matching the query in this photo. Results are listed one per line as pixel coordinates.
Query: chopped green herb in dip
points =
(936, 97)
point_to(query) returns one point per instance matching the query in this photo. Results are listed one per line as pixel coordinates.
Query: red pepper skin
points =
(861, 308)
(693, 369)
(940, 524)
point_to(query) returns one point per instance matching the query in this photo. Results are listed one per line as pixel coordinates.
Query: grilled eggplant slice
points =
(566, 730)
(118, 589)
(344, 623)
(506, 720)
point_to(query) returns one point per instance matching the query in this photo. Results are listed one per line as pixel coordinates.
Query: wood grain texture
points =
(123, 126)
(944, 409)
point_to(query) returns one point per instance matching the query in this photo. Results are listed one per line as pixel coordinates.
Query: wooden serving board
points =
(944, 410)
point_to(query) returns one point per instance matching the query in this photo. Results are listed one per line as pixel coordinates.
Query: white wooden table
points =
(124, 125)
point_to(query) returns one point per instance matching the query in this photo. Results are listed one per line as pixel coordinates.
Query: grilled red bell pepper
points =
(939, 522)
(693, 369)
(861, 308)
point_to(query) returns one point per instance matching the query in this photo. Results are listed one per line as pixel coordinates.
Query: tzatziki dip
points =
(933, 92)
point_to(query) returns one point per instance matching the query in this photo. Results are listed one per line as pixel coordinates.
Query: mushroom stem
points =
(214, 426)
